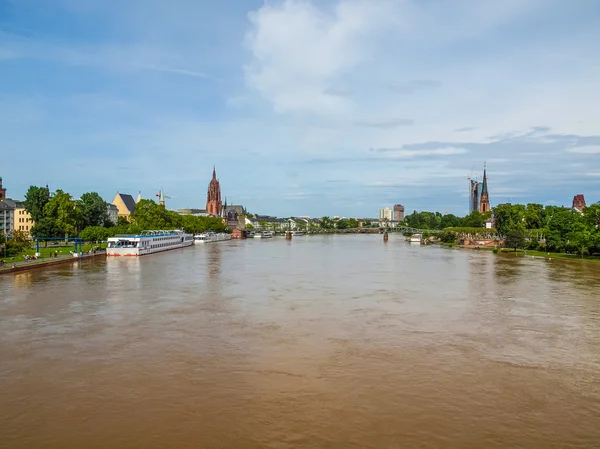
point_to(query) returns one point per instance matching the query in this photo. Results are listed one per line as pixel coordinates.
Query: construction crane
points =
(161, 197)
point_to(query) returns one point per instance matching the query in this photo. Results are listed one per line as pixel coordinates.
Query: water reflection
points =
(23, 279)
(214, 261)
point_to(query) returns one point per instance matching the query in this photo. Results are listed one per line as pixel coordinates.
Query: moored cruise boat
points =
(209, 237)
(148, 242)
(266, 234)
(295, 233)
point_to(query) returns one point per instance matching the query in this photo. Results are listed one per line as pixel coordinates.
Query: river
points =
(321, 342)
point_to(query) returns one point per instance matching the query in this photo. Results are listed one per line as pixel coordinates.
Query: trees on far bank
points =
(550, 228)
(60, 215)
(36, 199)
(93, 210)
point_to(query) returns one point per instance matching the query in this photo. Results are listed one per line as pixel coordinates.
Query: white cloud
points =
(312, 81)
(299, 50)
(401, 154)
(585, 150)
(385, 122)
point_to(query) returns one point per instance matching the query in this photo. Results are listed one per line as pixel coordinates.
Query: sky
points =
(328, 107)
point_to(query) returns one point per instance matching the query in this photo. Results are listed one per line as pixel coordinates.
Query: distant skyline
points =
(329, 107)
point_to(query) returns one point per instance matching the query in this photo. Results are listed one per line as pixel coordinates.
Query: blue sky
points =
(334, 107)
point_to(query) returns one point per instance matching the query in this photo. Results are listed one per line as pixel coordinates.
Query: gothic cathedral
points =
(214, 206)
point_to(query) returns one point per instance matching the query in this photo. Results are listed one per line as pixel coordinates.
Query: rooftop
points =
(128, 201)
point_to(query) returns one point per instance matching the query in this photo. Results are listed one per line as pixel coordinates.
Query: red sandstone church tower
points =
(214, 206)
(579, 202)
(2, 191)
(484, 204)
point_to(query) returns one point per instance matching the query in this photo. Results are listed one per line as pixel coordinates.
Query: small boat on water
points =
(297, 233)
(264, 235)
(210, 237)
(415, 238)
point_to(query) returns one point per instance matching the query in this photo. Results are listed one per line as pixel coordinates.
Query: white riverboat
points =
(265, 235)
(297, 233)
(148, 242)
(209, 237)
(415, 238)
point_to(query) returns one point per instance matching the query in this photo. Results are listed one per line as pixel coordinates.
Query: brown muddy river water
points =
(322, 342)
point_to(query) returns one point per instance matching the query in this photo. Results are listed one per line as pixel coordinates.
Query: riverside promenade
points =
(11, 266)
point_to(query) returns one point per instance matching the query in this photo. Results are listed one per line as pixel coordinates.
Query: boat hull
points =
(144, 244)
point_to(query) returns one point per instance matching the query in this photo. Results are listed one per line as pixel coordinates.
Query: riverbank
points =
(528, 253)
(16, 267)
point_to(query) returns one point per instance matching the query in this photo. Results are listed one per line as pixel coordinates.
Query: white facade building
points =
(385, 214)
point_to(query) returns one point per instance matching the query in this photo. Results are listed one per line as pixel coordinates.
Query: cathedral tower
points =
(2, 190)
(214, 206)
(484, 205)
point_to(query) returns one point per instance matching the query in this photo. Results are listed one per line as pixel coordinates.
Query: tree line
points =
(531, 226)
(59, 215)
(550, 228)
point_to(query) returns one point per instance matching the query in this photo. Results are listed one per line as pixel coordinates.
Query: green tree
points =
(515, 238)
(122, 221)
(93, 209)
(591, 215)
(509, 217)
(594, 242)
(580, 241)
(326, 223)
(19, 241)
(474, 220)
(46, 227)
(94, 234)
(450, 221)
(435, 221)
(448, 237)
(64, 211)
(561, 223)
(342, 224)
(534, 216)
(36, 199)
(150, 215)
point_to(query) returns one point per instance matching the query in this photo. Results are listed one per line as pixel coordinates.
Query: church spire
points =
(213, 199)
(484, 189)
(484, 204)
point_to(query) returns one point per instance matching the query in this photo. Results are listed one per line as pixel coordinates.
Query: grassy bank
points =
(48, 252)
(523, 253)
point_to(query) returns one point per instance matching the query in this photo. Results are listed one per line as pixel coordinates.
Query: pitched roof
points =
(12, 204)
(128, 201)
(5, 206)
